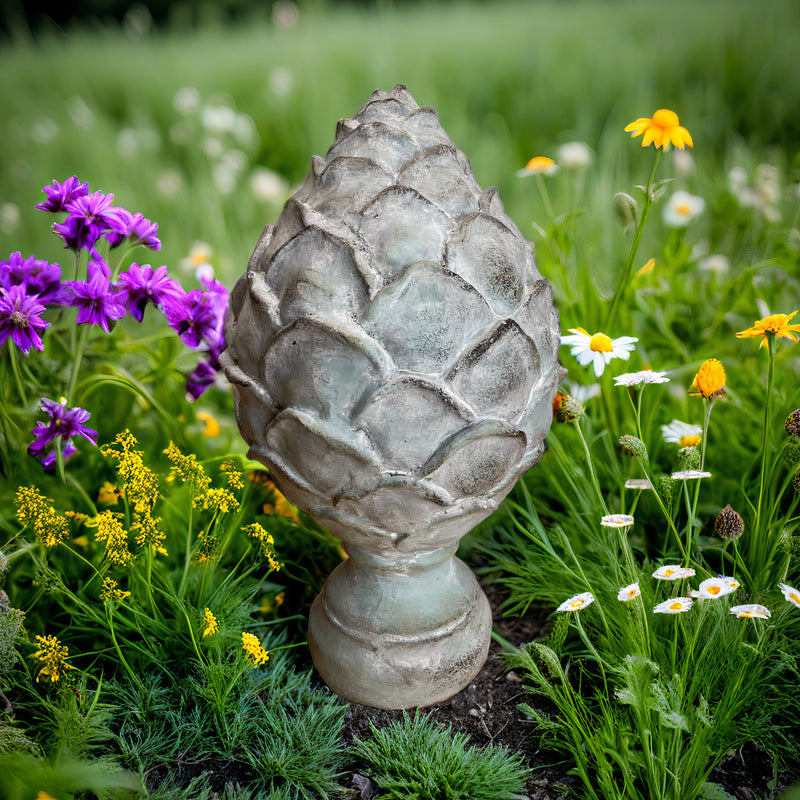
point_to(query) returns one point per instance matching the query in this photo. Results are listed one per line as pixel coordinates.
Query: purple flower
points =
(89, 218)
(49, 460)
(201, 319)
(39, 277)
(96, 299)
(199, 379)
(142, 283)
(59, 194)
(135, 227)
(19, 318)
(64, 422)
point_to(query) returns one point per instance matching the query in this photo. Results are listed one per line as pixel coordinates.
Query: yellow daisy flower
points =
(776, 324)
(660, 130)
(539, 165)
(709, 381)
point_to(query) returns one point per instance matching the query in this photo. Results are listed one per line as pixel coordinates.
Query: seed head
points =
(632, 446)
(729, 524)
(568, 410)
(792, 423)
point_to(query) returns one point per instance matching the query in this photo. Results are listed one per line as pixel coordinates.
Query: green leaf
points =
(713, 791)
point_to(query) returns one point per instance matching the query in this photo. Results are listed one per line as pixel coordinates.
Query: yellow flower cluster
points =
(253, 650)
(210, 623)
(187, 468)
(52, 655)
(111, 592)
(35, 509)
(232, 472)
(266, 543)
(140, 487)
(221, 499)
(209, 549)
(111, 531)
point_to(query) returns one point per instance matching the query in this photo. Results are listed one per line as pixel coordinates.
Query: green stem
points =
(771, 340)
(77, 358)
(590, 465)
(110, 618)
(637, 238)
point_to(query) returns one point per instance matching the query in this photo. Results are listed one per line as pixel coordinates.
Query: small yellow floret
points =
(210, 623)
(253, 649)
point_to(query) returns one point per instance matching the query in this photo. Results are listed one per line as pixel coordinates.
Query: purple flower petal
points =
(59, 194)
(97, 301)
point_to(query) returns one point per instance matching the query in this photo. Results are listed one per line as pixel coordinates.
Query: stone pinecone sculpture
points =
(392, 346)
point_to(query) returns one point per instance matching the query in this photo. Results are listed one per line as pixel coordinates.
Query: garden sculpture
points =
(393, 354)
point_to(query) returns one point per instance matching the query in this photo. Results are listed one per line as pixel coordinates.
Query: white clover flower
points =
(186, 100)
(638, 483)
(682, 433)
(616, 521)
(718, 265)
(676, 605)
(642, 376)
(673, 572)
(598, 349)
(712, 588)
(790, 593)
(629, 592)
(574, 155)
(682, 208)
(689, 475)
(751, 610)
(577, 602)
(267, 186)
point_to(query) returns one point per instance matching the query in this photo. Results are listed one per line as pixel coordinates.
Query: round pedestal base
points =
(399, 638)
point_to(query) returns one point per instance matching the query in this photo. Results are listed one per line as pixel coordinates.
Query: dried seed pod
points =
(729, 524)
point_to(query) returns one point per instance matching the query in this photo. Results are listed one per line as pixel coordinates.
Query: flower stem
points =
(590, 464)
(637, 239)
(771, 340)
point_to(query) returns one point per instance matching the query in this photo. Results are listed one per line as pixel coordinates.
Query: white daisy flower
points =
(714, 587)
(642, 376)
(638, 483)
(682, 208)
(616, 521)
(577, 602)
(598, 349)
(731, 583)
(628, 592)
(689, 475)
(682, 433)
(673, 572)
(674, 606)
(574, 155)
(790, 593)
(582, 392)
(751, 610)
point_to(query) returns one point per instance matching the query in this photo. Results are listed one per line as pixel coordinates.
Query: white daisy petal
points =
(751, 610)
(790, 593)
(675, 605)
(627, 593)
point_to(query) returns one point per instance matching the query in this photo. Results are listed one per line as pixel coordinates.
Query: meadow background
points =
(205, 122)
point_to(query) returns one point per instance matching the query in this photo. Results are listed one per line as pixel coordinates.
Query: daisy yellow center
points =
(689, 441)
(713, 590)
(794, 597)
(198, 258)
(576, 603)
(632, 593)
(683, 209)
(668, 572)
(674, 606)
(664, 118)
(540, 163)
(601, 343)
